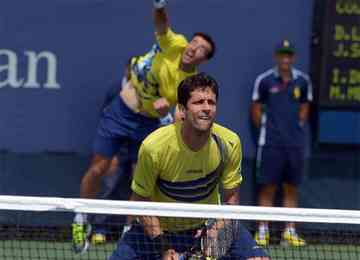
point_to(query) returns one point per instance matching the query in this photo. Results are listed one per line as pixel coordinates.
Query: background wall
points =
(58, 58)
(91, 41)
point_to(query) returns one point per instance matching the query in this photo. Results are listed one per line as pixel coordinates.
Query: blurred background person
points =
(149, 95)
(280, 110)
(116, 183)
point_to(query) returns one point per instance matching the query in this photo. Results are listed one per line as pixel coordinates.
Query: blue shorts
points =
(281, 164)
(136, 245)
(120, 126)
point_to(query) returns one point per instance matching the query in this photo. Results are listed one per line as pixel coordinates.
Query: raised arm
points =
(161, 20)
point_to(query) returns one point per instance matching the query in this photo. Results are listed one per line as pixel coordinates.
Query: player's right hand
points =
(162, 106)
(159, 3)
(81, 231)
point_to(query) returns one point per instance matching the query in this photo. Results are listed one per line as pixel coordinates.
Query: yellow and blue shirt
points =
(168, 171)
(157, 73)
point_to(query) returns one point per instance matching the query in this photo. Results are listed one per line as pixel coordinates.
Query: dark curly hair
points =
(197, 81)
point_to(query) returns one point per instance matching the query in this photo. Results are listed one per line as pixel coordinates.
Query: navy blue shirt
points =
(280, 125)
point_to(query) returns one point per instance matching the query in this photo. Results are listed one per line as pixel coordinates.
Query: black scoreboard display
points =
(336, 71)
(339, 72)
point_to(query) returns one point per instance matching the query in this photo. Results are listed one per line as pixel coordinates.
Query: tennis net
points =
(40, 228)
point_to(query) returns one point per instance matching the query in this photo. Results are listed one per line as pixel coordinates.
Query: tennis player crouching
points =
(186, 162)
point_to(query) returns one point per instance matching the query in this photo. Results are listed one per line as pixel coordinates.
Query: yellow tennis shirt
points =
(157, 73)
(168, 171)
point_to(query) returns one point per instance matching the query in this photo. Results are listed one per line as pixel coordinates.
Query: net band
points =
(25, 203)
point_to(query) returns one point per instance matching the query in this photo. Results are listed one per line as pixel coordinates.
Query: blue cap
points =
(285, 47)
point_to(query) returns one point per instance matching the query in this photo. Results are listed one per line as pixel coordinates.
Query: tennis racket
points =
(218, 237)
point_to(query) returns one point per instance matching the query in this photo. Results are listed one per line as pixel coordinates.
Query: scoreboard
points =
(340, 62)
(336, 70)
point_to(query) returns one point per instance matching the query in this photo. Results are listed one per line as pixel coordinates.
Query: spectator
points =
(280, 110)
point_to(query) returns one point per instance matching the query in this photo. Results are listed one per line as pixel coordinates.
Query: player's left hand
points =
(170, 255)
(210, 232)
(162, 106)
(209, 238)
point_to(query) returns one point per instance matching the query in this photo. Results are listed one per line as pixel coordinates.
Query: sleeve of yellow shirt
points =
(144, 179)
(170, 41)
(232, 177)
